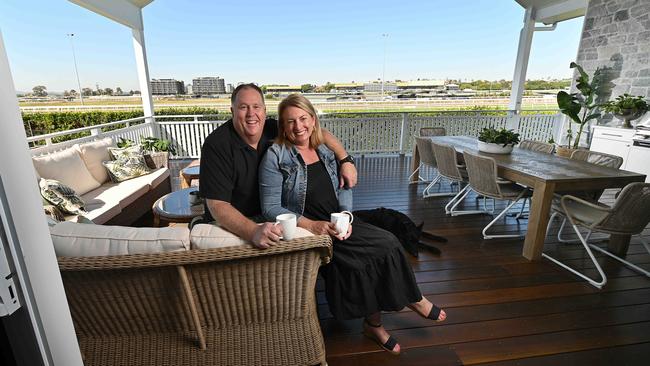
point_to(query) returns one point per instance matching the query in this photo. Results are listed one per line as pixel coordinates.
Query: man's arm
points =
(228, 217)
(348, 172)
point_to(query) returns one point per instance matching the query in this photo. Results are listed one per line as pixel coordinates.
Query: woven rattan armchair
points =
(536, 146)
(427, 158)
(228, 306)
(629, 215)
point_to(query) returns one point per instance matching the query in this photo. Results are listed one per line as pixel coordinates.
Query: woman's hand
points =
(346, 235)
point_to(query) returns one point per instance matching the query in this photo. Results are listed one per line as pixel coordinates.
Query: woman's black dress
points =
(368, 272)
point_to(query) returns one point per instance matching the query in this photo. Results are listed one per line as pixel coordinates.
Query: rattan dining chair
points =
(593, 157)
(432, 131)
(427, 158)
(449, 168)
(536, 146)
(629, 215)
(483, 180)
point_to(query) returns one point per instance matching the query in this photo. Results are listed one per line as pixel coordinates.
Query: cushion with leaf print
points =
(117, 153)
(61, 196)
(126, 168)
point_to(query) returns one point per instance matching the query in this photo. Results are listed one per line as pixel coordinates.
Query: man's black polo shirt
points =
(229, 167)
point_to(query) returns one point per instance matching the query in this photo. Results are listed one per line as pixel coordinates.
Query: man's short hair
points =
(241, 87)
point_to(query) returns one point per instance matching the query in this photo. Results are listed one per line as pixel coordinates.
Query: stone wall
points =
(616, 38)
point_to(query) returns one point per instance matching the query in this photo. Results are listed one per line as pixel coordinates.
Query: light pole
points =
(74, 58)
(383, 71)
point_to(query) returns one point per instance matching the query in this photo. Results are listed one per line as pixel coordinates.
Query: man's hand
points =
(347, 176)
(267, 235)
(322, 228)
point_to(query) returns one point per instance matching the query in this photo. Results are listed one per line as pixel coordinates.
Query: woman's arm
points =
(270, 182)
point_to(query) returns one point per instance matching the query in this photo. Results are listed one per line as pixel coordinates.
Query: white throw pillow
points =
(93, 154)
(68, 168)
(86, 240)
(208, 236)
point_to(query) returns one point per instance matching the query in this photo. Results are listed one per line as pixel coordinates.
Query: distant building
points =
(208, 86)
(167, 87)
(422, 85)
(452, 87)
(348, 88)
(283, 89)
(229, 88)
(375, 87)
(188, 89)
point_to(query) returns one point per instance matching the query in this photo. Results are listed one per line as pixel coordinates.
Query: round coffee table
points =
(189, 173)
(176, 207)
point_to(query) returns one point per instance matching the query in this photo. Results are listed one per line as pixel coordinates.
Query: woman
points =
(368, 272)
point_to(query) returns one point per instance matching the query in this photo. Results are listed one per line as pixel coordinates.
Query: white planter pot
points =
(494, 148)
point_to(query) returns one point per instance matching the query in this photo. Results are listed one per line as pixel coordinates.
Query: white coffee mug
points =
(195, 198)
(342, 221)
(288, 223)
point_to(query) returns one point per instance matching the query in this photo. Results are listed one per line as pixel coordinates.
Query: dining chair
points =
(432, 131)
(428, 159)
(483, 180)
(593, 157)
(629, 215)
(536, 146)
(450, 168)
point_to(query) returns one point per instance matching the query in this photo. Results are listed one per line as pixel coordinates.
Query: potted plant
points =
(494, 141)
(579, 107)
(627, 108)
(156, 151)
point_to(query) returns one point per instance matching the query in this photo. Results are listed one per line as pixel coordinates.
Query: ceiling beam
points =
(121, 11)
(558, 12)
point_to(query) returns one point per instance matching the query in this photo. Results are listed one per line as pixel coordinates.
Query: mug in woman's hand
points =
(342, 221)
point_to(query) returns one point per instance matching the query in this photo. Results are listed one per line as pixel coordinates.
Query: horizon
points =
(465, 40)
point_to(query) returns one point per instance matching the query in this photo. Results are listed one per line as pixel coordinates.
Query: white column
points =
(521, 65)
(143, 70)
(32, 249)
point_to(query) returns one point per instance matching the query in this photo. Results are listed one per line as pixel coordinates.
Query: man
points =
(229, 160)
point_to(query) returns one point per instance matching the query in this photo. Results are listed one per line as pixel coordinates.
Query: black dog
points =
(402, 227)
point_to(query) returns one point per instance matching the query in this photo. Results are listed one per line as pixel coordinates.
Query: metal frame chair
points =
(628, 216)
(483, 179)
(426, 132)
(531, 145)
(448, 167)
(596, 158)
(427, 158)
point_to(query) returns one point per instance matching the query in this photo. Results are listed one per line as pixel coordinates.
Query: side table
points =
(176, 207)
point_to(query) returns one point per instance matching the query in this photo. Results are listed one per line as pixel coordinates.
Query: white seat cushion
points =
(152, 179)
(68, 168)
(93, 153)
(118, 194)
(208, 236)
(85, 240)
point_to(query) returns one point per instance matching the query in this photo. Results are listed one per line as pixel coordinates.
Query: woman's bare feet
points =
(373, 329)
(427, 309)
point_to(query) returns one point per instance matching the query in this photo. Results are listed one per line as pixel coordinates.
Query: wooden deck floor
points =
(501, 308)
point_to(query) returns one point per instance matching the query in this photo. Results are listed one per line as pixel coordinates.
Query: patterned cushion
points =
(126, 168)
(62, 196)
(53, 213)
(117, 153)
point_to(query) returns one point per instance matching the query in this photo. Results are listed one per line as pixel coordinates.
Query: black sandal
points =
(390, 343)
(434, 313)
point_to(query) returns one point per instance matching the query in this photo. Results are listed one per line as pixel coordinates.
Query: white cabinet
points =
(618, 141)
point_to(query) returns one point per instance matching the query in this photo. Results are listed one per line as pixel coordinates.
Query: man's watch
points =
(347, 159)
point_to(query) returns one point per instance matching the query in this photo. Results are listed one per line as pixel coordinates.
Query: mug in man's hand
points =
(288, 223)
(342, 221)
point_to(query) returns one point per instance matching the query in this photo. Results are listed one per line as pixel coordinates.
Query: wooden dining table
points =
(545, 174)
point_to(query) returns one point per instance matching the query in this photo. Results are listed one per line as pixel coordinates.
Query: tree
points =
(39, 91)
(108, 91)
(86, 92)
(307, 88)
(118, 91)
(73, 93)
(66, 93)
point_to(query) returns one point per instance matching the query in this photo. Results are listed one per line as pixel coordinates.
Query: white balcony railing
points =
(366, 133)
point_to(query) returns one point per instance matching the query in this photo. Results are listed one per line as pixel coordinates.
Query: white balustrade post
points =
(403, 133)
(512, 121)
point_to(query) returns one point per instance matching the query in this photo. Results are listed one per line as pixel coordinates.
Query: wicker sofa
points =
(233, 305)
(80, 167)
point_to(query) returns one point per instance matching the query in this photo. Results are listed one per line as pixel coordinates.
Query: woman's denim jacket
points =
(283, 181)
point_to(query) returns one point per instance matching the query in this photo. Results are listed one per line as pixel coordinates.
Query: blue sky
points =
(284, 42)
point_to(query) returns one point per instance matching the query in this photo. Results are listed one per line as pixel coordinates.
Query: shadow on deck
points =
(501, 308)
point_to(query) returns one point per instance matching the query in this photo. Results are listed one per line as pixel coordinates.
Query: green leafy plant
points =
(626, 104)
(502, 136)
(154, 144)
(580, 107)
(123, 143)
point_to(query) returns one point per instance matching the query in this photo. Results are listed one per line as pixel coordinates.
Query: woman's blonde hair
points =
(298, 101)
